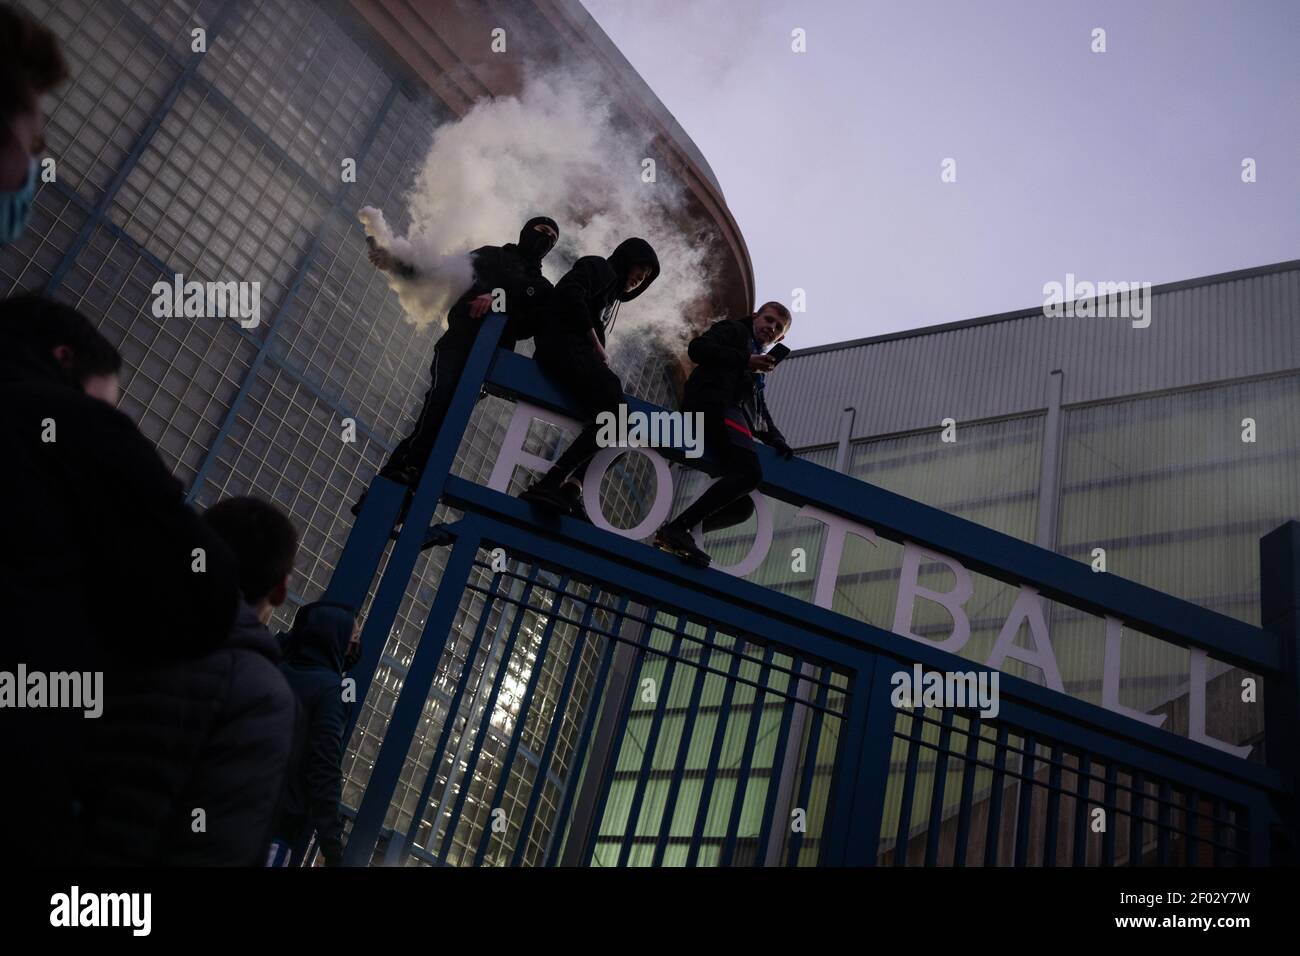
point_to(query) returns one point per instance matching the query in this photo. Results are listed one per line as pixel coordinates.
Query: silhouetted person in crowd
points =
(324, 643)
(189, 761)
(31, 64)
(570, 348)
(727, 386)
(103, 566)
(515, 268)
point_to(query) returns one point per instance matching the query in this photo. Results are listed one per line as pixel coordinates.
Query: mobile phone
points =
(778, 352)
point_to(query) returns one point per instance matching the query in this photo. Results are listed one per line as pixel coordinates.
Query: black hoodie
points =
(94, 528)
(588, 296)
(515, 269)
(314, 652)
(214, 733)
(722, 376)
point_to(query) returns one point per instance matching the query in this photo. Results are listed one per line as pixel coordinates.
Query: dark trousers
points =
(726, 502)
(449, 358)
(595, 388)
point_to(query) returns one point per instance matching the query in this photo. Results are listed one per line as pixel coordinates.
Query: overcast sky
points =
(1117, 166)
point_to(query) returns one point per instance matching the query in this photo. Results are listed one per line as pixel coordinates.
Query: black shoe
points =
(573, 495)
(676, 541)
(545, 496)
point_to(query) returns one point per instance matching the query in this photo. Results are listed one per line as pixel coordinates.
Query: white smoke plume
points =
(426, 297)
(553, 150)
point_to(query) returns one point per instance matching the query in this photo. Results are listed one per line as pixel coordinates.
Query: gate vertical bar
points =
(969, 771)
(557, 721)
(609, 724)
(811, 750)
(715, 752)
(683, 746)
(453, 711)
(410, 702)
(585, 757)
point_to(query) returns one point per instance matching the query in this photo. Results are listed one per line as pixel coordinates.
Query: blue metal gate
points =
(604, 703)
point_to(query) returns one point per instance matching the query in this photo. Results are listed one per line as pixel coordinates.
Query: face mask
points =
(534, 244)
(16, 206)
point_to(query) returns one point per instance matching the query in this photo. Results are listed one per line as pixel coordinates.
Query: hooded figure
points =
(516, 269)
(94, 517)
(533, 243)
(316, 653)
(587, 300)
(570, 348)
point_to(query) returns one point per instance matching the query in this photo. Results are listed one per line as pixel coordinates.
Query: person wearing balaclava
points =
(570, 348)
(322, 645)
(515, 268)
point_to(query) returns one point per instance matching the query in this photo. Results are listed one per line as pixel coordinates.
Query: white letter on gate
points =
(1196, 707)
(1110, 678)
(1028, 607)
(828, 571)
(753, 560)
(659, 507)
(512, 452)
(909, 590)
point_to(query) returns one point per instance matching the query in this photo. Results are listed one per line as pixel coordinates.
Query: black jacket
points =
(587, 296)
(527, 291)
(211, 735)
(314, 650)
(722, 376)
(97, 566)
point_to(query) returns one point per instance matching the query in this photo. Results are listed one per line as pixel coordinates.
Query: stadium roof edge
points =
(1249, 273)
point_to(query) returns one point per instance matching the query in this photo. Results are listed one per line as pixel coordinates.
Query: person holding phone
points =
(732, 362)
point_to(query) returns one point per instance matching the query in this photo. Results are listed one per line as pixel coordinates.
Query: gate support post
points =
(365, 545)
(1279, 597)
(857, 804)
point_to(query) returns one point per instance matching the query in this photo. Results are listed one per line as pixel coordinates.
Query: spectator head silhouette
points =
(264, 542)
(60, 341)
(325, 634)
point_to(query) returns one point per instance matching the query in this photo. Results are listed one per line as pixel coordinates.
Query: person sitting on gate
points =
(727, 387)
(514, 268)
(571, 350)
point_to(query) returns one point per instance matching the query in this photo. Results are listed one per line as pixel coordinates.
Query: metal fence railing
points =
(614, 706)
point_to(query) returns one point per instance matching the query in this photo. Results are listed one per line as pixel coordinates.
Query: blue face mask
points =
(16, 206)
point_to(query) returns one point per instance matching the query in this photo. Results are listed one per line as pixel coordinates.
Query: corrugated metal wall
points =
(1206, 330)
